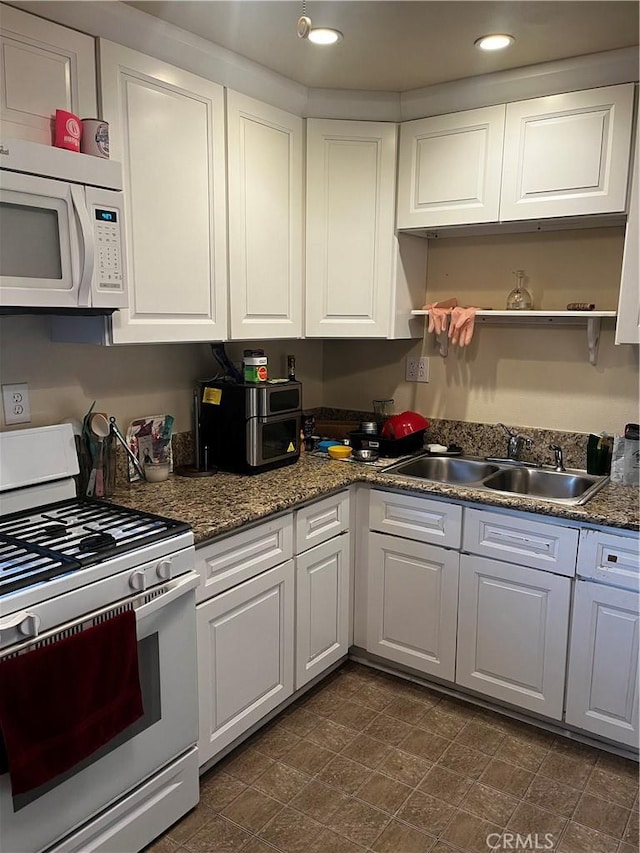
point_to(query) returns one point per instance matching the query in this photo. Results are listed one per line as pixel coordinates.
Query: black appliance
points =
(249, 427)
(388, 447)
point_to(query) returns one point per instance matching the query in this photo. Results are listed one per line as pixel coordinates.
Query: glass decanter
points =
(519, 299)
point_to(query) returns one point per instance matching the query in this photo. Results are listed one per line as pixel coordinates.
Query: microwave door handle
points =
(88, 249)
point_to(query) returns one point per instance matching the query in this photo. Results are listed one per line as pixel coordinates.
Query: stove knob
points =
(138, 580)
(164, 570)
(27, 624)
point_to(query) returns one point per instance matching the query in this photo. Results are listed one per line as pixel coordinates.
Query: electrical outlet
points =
(417, 369)
(15, 402)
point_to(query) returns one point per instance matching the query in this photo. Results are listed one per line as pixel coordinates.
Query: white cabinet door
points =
(265, 220)
(450, 168)
(412, 596)
(43, 67)
(567, 155)
(167, 128)
(322, 607)
(359, 277)
(628, 322)
(512, 634)
(245, 656)
(602, 685)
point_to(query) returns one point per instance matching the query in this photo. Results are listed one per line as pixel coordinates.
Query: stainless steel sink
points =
(548, 485)
(563, 487)
(443, 469)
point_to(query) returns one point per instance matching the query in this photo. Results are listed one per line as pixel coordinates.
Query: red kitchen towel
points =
(60, 703)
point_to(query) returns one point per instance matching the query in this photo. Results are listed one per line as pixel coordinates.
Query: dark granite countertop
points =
(224, 502)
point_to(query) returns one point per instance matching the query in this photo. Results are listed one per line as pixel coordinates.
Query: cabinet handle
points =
(612, 558)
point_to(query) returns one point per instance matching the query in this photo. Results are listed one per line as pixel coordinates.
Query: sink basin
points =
(443, 469)
(542, 484)
(563, 487)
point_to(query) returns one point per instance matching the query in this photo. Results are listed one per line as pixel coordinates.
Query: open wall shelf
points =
(590, 319)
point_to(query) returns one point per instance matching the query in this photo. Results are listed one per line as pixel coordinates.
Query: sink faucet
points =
(559, 455)
(517, 443)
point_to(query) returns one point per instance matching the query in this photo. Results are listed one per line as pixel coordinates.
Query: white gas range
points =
(68, 564)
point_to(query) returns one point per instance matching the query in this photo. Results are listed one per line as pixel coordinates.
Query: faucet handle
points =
(510, 432)
(559, 456)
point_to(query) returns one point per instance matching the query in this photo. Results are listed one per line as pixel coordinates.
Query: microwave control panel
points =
(108, 243)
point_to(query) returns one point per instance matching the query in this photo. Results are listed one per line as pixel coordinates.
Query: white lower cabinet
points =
(322, 607)
(270, 620)
(412, 604)
(245, 656)
(512, 633)
(602, 685)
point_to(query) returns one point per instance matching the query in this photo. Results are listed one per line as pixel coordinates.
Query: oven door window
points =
(279, 437)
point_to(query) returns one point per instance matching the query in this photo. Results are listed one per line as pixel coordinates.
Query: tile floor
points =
(370, 762)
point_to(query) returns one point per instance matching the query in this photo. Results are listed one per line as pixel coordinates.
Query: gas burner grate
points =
(36, 546)
(23, 564)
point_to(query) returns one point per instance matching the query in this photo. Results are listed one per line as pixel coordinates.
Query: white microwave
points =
(62, 233)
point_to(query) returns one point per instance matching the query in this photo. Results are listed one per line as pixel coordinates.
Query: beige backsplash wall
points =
(125, 381)
(527, 376)
(530, 376)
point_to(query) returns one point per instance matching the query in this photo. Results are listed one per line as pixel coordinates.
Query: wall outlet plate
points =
(15, 403)
(417, 369)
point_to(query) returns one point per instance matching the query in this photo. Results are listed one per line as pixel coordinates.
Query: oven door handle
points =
(28, 624)
(181, 585)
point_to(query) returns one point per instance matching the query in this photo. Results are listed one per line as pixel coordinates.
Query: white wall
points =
(530, 376)
(125, 381)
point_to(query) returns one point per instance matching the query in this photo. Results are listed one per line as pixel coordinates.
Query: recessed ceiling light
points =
(324, 35)
(495, 41)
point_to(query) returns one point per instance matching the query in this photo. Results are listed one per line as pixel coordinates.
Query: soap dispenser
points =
(519, 299)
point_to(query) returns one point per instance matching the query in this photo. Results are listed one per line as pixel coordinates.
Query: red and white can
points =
(68, 129)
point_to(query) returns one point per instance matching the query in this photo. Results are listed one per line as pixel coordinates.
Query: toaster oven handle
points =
(88, 249)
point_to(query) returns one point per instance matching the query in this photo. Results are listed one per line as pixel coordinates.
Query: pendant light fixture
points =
(317, 35)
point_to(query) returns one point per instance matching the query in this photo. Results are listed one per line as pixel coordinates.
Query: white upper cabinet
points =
(567, 155)
(559, 156)
(361, 280)
(167, 129)
(43, 67)
(628, 324)
(450, 167)
(265, 219)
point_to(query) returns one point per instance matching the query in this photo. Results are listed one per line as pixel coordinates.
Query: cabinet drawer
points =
(609, 557)
(321, 520)
(523, 541)
(411, 517)
(244, 555)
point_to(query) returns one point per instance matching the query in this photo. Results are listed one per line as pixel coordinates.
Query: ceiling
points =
(393, 45)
